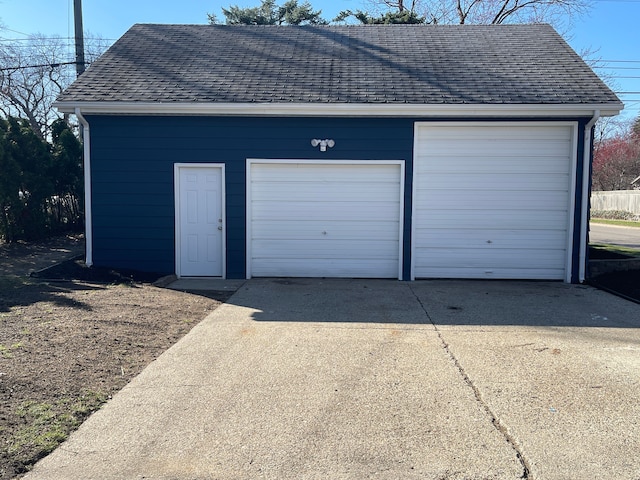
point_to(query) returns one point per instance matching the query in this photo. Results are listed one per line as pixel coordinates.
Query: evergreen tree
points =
(34, 163)
(402, 17)
(269, 13)
(41, 184)
(67, 177)
(10, 204)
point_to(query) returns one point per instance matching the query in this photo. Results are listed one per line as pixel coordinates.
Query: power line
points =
(617, 67)
(621, 70)
(52, 65)
(52, 39)
(14, 31)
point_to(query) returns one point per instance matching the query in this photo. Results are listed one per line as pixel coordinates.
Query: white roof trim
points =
(337, 109)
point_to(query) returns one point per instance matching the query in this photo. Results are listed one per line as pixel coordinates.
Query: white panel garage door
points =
(492, 201)
(328, 219)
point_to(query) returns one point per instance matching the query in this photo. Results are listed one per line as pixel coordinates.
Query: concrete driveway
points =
(352, 379)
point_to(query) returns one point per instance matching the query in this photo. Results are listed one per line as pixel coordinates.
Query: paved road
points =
(354, 379)
(615, 235)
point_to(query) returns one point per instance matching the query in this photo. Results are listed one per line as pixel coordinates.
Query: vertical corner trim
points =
(584, 213)
(86, 155)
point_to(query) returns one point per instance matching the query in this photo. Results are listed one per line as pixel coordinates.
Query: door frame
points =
(177, 168)
(252, 161)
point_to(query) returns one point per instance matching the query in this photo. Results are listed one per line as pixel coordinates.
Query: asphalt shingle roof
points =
(395, 64)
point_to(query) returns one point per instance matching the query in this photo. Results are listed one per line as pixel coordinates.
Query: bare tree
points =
(496, 12)
(401, 5)
(33, 73)
(489, 12)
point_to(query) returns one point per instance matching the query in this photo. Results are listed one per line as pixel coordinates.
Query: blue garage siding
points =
(132, 174)
(132, 161)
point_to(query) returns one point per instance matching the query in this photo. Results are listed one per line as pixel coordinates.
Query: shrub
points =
(614, 215)
(41, 183)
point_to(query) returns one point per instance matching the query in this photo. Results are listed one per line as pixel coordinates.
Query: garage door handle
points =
(220, 227)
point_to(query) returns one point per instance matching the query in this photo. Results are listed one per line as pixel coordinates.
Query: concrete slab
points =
(558, 365)
(301, 378)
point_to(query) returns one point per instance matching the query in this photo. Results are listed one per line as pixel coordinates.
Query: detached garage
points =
(380, 151)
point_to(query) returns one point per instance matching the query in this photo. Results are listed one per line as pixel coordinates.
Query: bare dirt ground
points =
(21, 258)
(67, 346)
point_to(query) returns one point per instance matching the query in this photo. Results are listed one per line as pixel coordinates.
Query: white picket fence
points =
(622, 200)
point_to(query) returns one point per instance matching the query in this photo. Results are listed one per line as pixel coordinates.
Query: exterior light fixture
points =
(323, 143)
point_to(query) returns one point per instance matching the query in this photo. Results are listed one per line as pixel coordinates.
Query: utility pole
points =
(77, 13)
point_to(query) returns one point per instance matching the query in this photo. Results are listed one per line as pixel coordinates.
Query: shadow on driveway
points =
(438, 302)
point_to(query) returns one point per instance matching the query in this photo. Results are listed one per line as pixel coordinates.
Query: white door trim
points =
(572, 185)
(251, 161)
(177, 167)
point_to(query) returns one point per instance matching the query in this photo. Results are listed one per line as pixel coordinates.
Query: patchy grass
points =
(49, 424)
(622, 223)
(602, 249)
(7, 351)
(10, 282)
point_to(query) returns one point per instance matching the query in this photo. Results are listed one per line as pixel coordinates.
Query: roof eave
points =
(338, 109)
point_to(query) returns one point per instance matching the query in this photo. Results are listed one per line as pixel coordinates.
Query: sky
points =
(610, 29)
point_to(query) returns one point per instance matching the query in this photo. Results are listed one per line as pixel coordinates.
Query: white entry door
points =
(199, 221)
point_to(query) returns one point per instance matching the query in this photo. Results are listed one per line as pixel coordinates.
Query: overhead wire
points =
(42, 65)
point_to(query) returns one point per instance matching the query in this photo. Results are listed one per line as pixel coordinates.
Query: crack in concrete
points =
(495, 421)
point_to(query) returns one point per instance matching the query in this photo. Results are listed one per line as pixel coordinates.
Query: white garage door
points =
(492, 201)
(331, 219)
